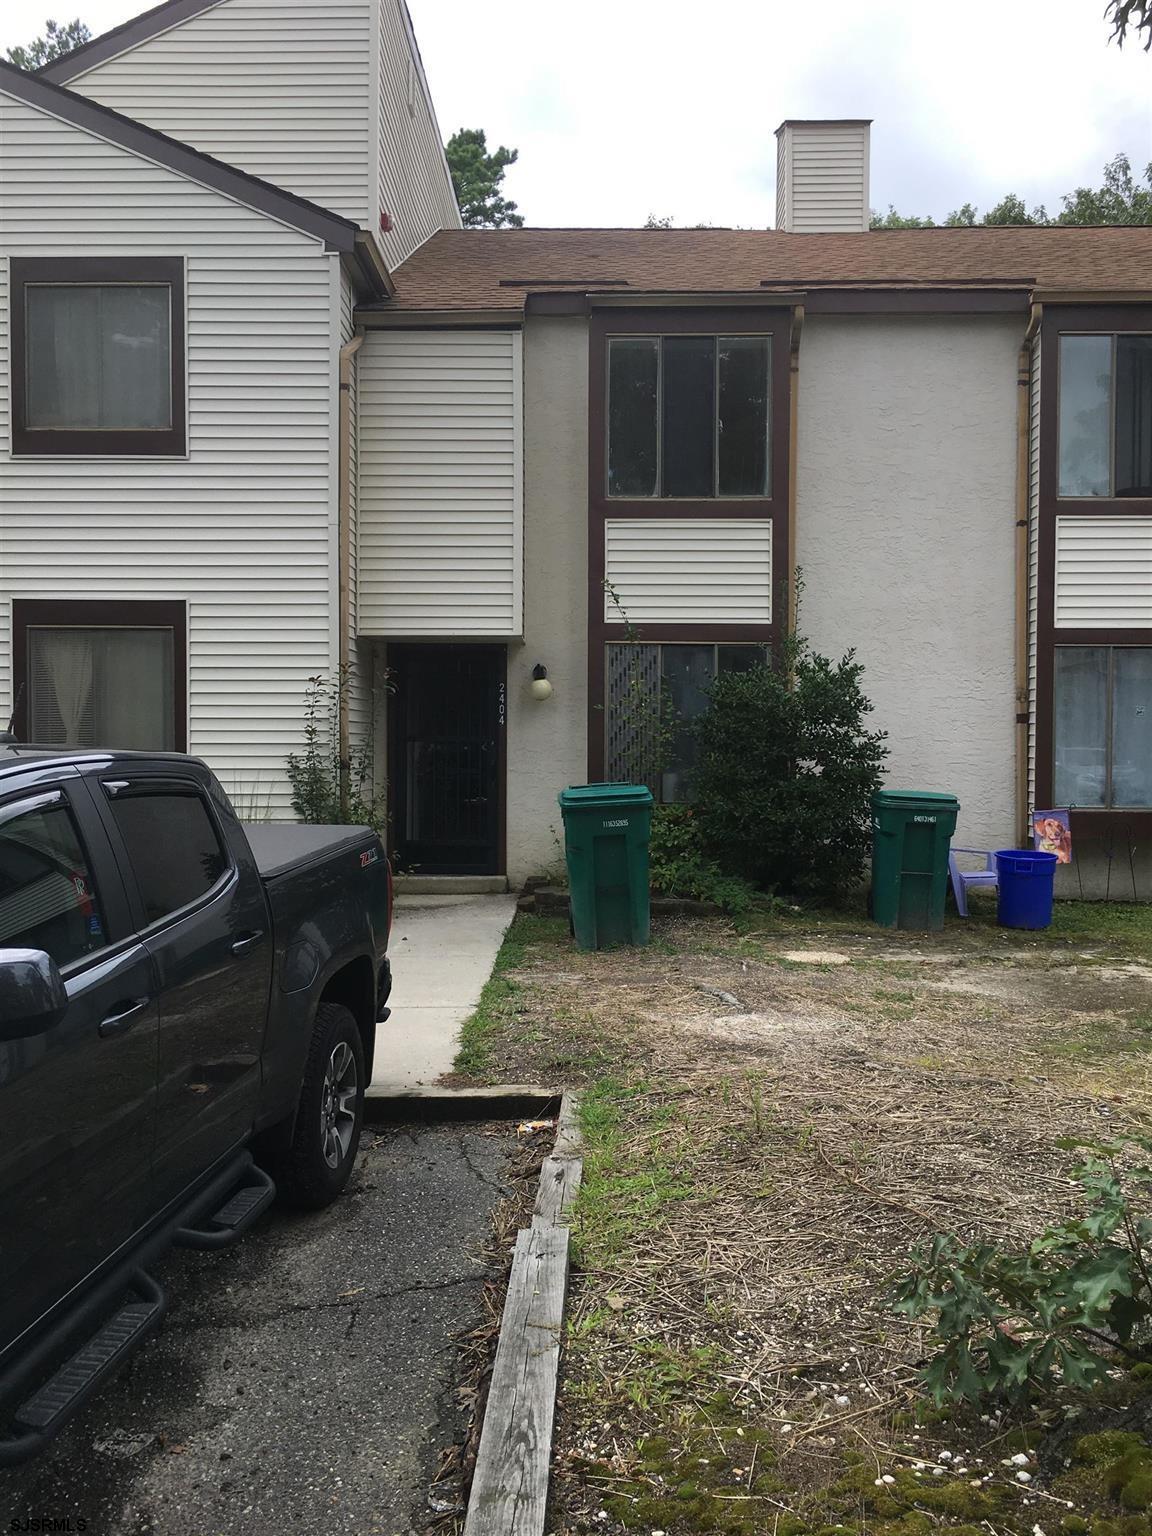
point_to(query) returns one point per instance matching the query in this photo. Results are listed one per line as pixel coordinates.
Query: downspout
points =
(344, 535)
(795, 334)
(1023, 467)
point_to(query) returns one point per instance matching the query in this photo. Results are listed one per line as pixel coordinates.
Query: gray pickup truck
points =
(188, 1010)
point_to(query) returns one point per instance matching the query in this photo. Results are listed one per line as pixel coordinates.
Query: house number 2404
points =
(501, 705)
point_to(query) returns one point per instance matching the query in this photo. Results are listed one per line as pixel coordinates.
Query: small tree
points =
(326, 790)
(476, 179)
(57, 40)
(786, 771)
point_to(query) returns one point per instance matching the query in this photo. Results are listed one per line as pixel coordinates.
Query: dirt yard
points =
(776, 1113)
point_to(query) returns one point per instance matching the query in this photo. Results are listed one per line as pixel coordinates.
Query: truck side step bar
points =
(228, 1224)
(49, 1408)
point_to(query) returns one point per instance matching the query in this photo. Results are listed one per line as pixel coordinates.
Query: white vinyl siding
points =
(1103, 572)
(822, 177)
(241, 529)
(441, 429)
(279, 88)
(689, 570)
(413, 184)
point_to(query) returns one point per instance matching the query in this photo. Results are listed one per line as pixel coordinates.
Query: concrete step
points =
(450, 885)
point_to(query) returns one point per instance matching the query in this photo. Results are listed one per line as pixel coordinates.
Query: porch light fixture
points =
(540, 688)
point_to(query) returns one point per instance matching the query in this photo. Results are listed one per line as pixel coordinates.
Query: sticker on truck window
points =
(370, 856)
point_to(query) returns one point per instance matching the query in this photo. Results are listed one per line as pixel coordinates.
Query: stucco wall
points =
(547, 743)
(905, 522)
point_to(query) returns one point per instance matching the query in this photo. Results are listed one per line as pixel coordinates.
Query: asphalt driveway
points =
(302, 1381)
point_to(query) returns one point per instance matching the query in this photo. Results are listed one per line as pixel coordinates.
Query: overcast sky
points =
(622, 108)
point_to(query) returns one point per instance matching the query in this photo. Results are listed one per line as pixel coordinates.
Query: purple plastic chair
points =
(963, 878)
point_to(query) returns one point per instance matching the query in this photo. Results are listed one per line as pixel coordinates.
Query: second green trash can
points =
(911, 833)
(606, 832)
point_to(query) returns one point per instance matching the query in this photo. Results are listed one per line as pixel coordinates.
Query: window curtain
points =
(102, 688)
(98, 356)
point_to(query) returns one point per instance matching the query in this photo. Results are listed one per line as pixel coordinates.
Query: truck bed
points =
(282, 847)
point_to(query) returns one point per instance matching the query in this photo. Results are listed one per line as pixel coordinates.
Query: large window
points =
(688, 416)
(101, 674)
(47, 897)
(1105, 415)
(98, 356)
(1103, 726)
(655, 695)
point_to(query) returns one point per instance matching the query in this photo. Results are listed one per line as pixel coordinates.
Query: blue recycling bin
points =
(1024, 887)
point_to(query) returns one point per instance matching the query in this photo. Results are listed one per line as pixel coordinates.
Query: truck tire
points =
(326, 1134)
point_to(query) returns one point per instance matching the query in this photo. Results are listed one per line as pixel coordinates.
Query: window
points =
(655, 692)
(172, 844)
(688, 416)
(47, 897)
(101, 674)
(98, 356)
(1105, 415)
(1103, 726)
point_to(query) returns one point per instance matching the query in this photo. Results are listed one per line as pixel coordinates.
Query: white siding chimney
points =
(822, 175)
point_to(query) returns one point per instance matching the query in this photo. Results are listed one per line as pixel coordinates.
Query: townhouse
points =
(468, 461)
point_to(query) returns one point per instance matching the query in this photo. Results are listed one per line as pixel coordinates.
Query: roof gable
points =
(337, 233)
(138, 29)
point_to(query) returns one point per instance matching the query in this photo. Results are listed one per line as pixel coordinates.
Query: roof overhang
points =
(381, 317)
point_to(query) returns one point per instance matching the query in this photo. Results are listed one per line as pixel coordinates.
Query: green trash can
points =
(606, 831)
(911, 833)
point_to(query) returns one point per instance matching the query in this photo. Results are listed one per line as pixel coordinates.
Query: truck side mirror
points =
(32, 994)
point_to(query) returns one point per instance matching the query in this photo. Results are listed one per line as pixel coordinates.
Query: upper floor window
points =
(1105, 415)
(688, 416)
(98, 356)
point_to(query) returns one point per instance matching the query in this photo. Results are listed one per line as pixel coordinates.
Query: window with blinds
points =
(101, 687)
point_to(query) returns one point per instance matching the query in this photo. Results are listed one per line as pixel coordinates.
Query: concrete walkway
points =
(442, 951)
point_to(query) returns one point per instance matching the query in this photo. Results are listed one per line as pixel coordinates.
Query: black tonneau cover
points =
(281, 846)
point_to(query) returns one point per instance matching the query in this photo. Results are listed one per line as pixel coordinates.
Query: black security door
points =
(447, 750)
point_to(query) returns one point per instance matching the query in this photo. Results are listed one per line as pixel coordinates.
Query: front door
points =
(447, 752)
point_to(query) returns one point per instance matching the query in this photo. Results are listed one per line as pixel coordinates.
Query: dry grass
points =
(767, 1140)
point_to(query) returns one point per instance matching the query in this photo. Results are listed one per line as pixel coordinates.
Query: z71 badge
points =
(371, 856)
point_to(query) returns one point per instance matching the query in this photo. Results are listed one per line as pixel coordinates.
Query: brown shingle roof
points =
(485, 268)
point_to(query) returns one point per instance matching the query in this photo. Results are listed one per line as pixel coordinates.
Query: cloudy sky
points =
(622, 108)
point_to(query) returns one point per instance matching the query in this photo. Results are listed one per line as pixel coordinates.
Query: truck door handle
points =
(247, 941)
(119, 1023)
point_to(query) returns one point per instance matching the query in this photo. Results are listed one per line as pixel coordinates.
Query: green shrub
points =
(328, 790)
(1004, 1321)
(680, 867)
(785, 774)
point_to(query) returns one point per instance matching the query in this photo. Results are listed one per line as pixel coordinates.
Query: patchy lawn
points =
(776, 1110)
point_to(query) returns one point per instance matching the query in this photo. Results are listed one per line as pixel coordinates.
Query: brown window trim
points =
(1050, 506)
(30, 613)
(169, 442)
(735, 321)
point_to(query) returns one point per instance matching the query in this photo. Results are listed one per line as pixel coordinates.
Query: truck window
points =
(172, 844)
(48, 898)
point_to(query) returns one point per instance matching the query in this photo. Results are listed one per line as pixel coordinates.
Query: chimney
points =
(822, 175)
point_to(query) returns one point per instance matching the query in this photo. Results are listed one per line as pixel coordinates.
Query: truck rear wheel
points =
(331, 1112)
